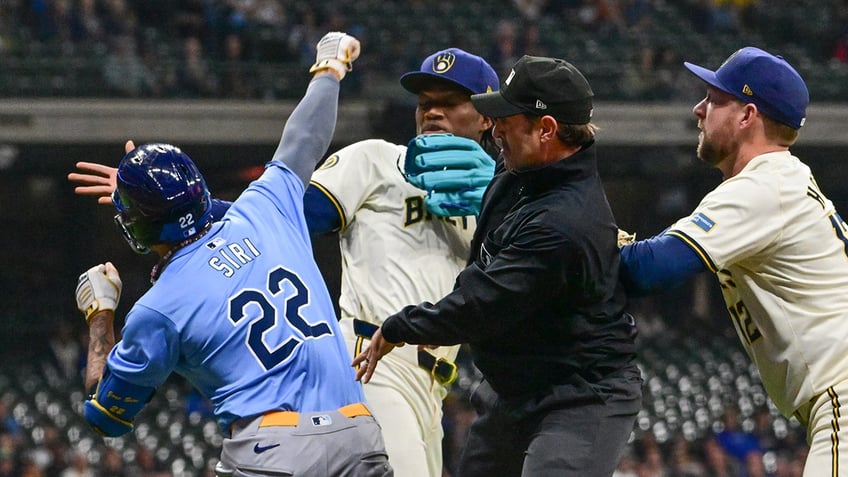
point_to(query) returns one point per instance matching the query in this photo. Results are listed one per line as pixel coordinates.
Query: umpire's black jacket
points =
(541, 304)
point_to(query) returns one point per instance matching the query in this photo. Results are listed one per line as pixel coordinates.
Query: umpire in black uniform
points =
(541, 305)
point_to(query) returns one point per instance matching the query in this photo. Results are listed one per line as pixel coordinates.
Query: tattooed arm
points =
(113, 401)
(101, 333)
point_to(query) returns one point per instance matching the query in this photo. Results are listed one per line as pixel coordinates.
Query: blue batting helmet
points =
(161, 197)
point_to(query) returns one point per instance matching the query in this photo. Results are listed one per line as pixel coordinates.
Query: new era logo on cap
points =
(455, 66)
(768, 81)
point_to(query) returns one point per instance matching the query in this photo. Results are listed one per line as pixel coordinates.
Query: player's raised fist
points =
(98, 289)
(336, 51)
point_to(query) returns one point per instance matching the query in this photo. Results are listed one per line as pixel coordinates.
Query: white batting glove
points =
(98, 289)
(336, 51)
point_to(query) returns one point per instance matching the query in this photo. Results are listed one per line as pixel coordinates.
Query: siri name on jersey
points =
(231, 256)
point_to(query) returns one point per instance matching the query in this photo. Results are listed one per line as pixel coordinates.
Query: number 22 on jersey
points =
(269, 303)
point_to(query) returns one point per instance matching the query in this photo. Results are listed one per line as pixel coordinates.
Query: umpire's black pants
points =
(574, 431)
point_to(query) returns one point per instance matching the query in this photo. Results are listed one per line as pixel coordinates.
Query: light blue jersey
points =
(244, 313)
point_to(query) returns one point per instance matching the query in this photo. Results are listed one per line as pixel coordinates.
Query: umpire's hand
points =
(366, 362)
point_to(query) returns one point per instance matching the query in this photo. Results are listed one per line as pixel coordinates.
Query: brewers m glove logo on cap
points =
(443, 61)
(453, 65)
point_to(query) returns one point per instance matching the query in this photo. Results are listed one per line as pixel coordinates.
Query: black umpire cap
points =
(540, 86)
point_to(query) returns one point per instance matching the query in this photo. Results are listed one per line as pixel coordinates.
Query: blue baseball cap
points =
(768, 81)
(456, 66)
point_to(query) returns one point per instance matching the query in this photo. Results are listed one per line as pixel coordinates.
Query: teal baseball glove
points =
(453, 170)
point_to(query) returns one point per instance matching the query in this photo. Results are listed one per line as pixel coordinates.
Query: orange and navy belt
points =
(291, 418)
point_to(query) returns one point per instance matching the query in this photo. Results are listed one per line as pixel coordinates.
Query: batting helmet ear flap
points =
(161, 197)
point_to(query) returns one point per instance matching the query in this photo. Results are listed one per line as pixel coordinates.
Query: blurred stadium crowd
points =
(705, 412)
(250, 49)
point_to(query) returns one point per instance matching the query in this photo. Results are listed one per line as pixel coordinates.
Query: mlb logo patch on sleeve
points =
(703, 222)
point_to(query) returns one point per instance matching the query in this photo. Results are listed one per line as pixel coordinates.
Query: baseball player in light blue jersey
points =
(238, 306)
(398, 244)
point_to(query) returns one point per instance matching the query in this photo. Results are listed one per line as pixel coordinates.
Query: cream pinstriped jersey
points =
(394, 253)
(778, 248)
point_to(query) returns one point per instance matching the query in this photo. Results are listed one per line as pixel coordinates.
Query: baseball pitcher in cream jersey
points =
(396, 250)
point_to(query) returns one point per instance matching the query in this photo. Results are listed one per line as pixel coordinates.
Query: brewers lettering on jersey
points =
(386, 227)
